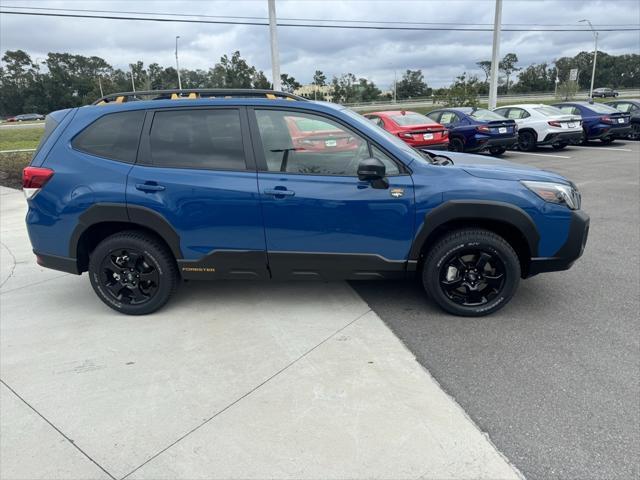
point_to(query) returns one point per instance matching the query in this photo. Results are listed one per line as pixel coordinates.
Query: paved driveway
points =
(231, 380)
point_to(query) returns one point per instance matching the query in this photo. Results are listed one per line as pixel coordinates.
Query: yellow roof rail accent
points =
(101, 102)
(193, 95)
(271, 96)
(120, 99)
(174, 96)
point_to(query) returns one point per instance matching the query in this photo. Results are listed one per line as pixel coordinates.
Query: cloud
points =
(373, 54)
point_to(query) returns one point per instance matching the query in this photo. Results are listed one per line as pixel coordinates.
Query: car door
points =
(196, 172)
(320, 220)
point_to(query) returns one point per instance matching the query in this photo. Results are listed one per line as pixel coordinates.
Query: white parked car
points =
(540, 124)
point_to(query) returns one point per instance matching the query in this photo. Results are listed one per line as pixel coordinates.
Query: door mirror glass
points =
(371, 169)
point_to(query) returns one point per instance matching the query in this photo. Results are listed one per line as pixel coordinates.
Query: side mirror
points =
(371, 169)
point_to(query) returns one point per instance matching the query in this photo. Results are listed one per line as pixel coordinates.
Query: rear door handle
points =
(149, 187)
(277, 192)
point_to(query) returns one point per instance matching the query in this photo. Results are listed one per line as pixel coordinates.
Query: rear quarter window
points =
(114, 136)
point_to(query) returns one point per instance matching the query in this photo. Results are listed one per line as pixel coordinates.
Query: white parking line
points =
(605, 148)
(540, 154)
(19, 150)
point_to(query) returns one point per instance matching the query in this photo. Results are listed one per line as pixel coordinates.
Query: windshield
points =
(366, 124)
(483, 114)
(549, 111)
(411, 118)
(600, 108)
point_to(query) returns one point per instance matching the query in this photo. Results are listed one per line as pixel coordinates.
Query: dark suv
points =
(210, 184)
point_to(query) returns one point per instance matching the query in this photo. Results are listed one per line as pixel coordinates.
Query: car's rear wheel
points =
(635, 131)
(497, 150)
(133, 273)
(471, 272)
(456, 145)
(607, 140)
(526, 141)
(558, 146)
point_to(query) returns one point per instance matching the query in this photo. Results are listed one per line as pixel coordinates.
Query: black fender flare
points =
(452, 210)
(120, 212)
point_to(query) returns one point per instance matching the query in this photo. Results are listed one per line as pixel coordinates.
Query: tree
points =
(535, 78)
(463, 92)
(289, 84)
(485, 66)
(343, 88)
(412, 85)
(259, 80)
(232, 72)
(367, 91)
(508, 66)
(319, 79)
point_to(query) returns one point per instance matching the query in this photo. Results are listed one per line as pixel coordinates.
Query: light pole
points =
(493, 85)
(273, 39)
(595, 55)
(395, 86)
(178, 64)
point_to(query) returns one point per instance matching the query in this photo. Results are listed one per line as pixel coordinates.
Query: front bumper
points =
(562, 137)
(569, 252)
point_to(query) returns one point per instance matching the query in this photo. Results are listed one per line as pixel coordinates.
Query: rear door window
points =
(114, 136)
(209, 139)
(448, 118)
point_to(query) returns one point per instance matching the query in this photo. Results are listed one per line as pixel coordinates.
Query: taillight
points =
(606, 119)
(445, 133)
(483, 129)
(553, 123)
(405, 135)
(33, 179)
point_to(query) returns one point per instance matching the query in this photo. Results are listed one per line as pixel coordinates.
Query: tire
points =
(456, 145)
(133, 272)
(585, 139)
(526, 141)
(635, 131)
(608, 140)
(486, 288)
(558, 146)
(497, 150)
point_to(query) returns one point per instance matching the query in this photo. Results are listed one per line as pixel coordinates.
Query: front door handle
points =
(149, 187)
(278, 193)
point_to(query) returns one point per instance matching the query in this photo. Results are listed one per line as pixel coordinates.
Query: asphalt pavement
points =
(553, 378)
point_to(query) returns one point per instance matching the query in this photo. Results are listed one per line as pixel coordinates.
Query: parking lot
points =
(552, 378)
(284, 380)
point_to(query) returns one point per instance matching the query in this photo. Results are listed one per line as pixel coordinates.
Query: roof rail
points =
(194, 93)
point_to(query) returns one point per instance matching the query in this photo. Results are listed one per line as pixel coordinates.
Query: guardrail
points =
(435, 101)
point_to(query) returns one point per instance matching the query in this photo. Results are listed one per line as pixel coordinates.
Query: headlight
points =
(555, 193)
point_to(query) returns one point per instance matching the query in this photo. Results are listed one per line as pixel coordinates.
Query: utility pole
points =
(100, 85)
(493, 86)
(395, 86)
(178, 64)
(133, 83)
(275, 56)
(595, 55)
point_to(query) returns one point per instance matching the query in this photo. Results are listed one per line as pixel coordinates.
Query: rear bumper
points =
(488, 142)
(562, 137)
(569, 252)
(435, 146)
(64, 264)
(606, 132)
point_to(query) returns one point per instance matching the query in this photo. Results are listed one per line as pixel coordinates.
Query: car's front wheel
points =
(497, 150)
(558, 146)
(471, 272)
(133, 273)
(607, 140)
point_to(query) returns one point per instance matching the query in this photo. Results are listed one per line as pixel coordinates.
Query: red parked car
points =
(416, 129)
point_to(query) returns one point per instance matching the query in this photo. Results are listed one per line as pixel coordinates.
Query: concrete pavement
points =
(231, 380)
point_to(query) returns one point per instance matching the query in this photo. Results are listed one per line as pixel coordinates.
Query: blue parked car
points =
(220, 184)
(599, 121)
(477, 129)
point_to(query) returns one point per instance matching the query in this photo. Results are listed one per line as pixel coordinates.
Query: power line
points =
(384, 22)
(356, 27)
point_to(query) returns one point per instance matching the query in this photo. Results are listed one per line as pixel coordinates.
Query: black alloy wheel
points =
(526, 141)
(129, 277)
(471, 272)
(133, 272)
(456, 145)
(635, 131)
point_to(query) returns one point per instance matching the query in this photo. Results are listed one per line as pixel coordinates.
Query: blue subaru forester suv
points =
(146, 189)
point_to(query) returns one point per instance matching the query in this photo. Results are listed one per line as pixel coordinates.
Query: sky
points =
(377, 55)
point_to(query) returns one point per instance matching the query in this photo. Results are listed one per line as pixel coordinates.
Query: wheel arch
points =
(529, 130)
(101, 220)
(510, 222)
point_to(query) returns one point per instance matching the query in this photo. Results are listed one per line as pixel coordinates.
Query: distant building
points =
(314, 92)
